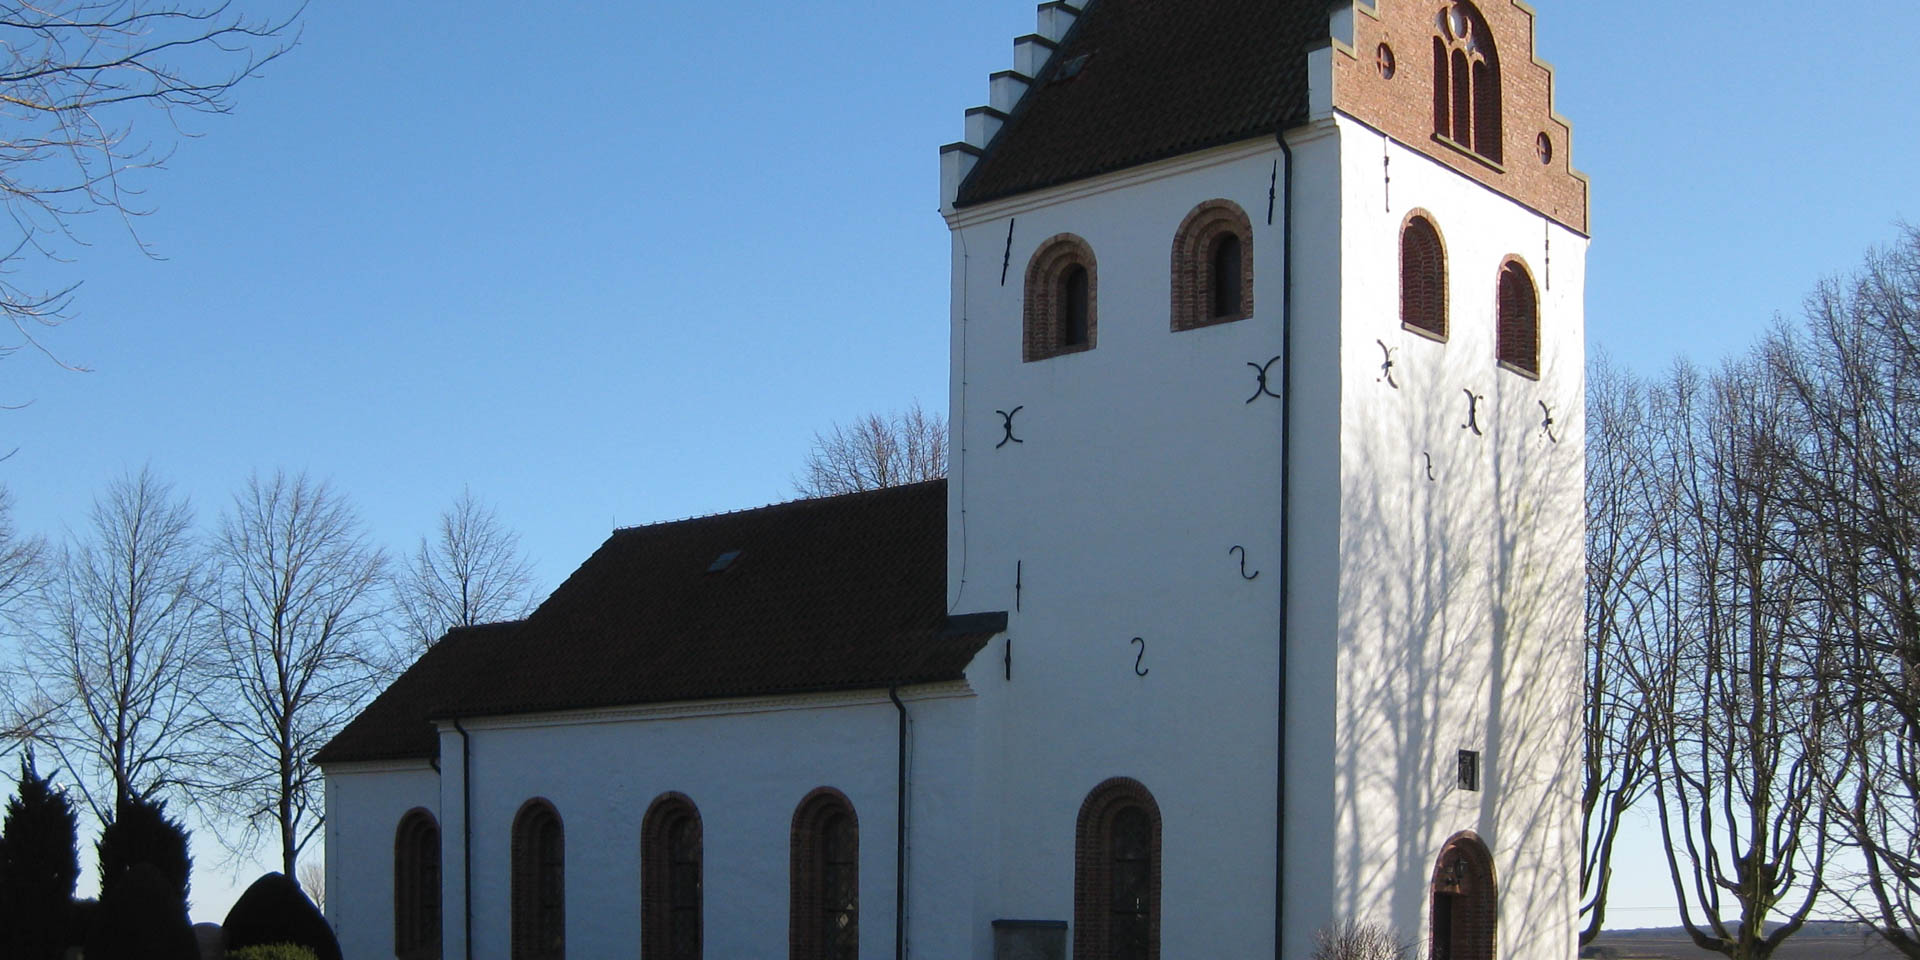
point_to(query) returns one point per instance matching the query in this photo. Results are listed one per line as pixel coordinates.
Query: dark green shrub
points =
(141, 833)
(142, 917)
(39, 865)
(275, 911)
(273, 951)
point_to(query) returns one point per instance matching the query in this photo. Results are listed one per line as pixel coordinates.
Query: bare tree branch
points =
(471, 572)
(119, 645)
(294, 597)
(875, 452)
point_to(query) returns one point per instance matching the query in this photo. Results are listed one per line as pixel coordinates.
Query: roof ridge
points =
(798, 503)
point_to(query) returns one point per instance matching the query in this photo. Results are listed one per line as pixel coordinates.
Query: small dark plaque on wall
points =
(1469, 769)
(1029, 940)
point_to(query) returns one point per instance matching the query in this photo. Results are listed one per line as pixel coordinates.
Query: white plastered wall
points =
(1140, 464)
(365, 802)
(746, 766)
(1460, 591)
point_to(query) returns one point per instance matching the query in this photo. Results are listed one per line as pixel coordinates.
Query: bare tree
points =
(1352, 939)
(120, 645)
(293, 596)
(876, 451)
(1626, 499)
(1853, 373)
(471, 572)
(313, 879)
(1742, 735)
(74, 74)
(22, 563)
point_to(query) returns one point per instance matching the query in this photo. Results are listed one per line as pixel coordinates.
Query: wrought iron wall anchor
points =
(1430, 477)
(1006, 259)
(1138, 670)
(1273, 190)
(1007, 424)
(1009, 658)
(1019, 571)
(1473, 412)
(1546, 421)
(1244, 575)
(1386, 365)
(1263, 370)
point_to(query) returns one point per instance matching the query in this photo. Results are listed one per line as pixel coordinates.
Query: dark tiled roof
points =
(1161, 78)
(841, 593)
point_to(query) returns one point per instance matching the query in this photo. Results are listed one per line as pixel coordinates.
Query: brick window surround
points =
(1044, 328)
(416, 887)
(1200, 270)
(539, 891)
(1116, 877)
(823, 916)
(1464, 919)
(671, 881)
(1517, 337)
(1423, 276)
(1466, 81)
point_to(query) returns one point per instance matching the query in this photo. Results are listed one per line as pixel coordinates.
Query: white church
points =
(1252, 603)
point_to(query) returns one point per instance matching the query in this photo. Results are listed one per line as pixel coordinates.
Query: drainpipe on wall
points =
(1286, 547)
(466, 834)
(900, 834)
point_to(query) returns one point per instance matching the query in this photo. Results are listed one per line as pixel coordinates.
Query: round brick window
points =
(1543, 145)
(1384, 57)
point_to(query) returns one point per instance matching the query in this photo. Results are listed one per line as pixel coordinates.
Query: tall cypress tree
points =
(40, 865)
(141, 833)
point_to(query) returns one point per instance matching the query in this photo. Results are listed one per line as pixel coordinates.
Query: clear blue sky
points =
(616, 263)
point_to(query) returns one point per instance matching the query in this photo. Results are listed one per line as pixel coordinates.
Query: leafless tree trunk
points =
(120, 644)
(1743, 736)
(471, 572)
(1854, 376)
(875, 452)
(1627, 500)
(293, 596)
(22, 564)
(74, 74)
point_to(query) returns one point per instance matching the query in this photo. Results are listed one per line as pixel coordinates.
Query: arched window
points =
(1518, 334)
(1116, 874)
(1062, 310)
(416, 887)
(1466, 904)
(670, 880)
(1423, 276)
(1466, 80)
(1212, 271)
(823, 920)
(539, 892)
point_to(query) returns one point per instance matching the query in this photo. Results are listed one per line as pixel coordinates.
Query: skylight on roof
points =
(724, 561)
(1071, 68)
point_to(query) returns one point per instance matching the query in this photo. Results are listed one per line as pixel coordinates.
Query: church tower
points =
(1267, 352)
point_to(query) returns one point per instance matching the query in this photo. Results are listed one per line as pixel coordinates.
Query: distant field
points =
(1816, 941)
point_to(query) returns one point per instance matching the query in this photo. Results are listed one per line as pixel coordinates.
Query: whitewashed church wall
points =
(1461, 570)
(746, 773)
(365, 802)
(1138, 465)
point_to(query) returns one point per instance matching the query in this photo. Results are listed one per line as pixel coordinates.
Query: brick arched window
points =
(416, 887)
(1061, 313)
(1212, 266)
(670, 880)
(1116, 874)
(1466, 80)
(1466, 905)
(1518, 334)
(539, 894)
(823, 918)
(1423, 276)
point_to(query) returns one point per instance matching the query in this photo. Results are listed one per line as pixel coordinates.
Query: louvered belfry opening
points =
(1423, 277)
(416, 887)
(1518, 333)
(824, 909)
(1116, 875)
(539, 878)
(1466, 81)
(671, 880)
